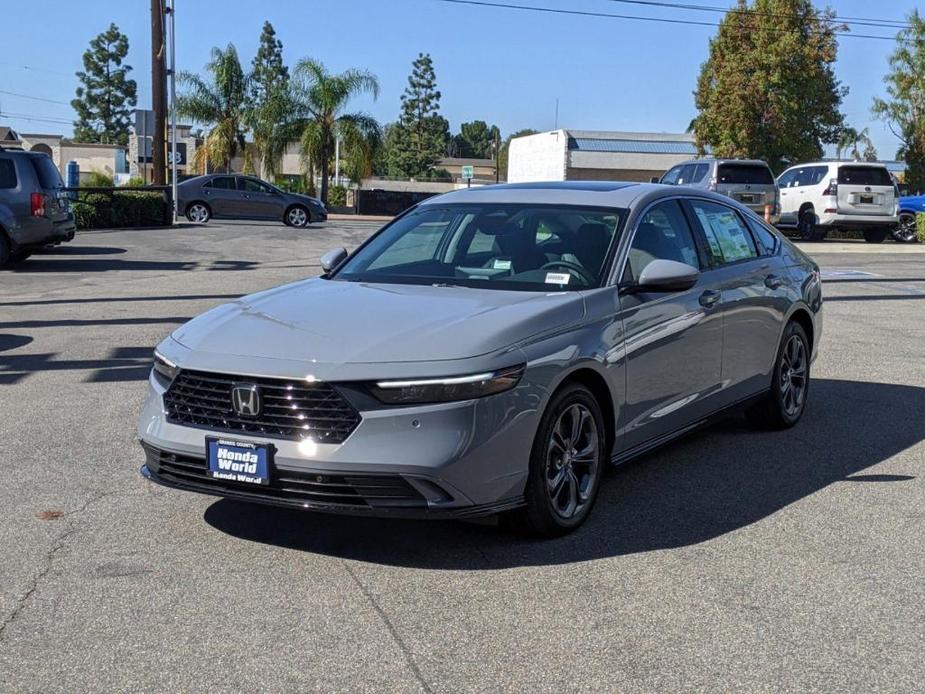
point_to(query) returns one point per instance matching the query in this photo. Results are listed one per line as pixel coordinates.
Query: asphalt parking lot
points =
(731, 561)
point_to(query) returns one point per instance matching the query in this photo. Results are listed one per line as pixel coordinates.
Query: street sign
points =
(468, 172)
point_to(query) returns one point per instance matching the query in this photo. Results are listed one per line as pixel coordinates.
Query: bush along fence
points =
(920, 227)
(104, 208)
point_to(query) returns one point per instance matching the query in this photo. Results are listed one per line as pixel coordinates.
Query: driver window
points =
(662, 234)
(671, 177)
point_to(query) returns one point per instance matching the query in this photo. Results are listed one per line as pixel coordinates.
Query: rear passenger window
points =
(662, 234)
(728, 239)
(767, 241)
(7, 173)
(745, 173)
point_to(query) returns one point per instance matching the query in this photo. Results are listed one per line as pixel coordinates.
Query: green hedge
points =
(128, 209)
(920, 227)
(337, 196)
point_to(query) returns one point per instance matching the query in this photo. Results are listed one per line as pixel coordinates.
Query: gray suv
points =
(33, 207)
(232, 196)
(748, 181)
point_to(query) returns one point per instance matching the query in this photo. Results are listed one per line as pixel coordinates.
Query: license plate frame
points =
(865, 199)
(239, 462)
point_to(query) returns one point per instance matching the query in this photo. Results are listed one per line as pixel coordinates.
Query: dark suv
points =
(33, 208)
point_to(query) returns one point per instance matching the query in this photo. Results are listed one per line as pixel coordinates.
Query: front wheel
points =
(566, 464)
(784, 403)
(198, 213)
(297, 217)
(905, 232)
(874, 235)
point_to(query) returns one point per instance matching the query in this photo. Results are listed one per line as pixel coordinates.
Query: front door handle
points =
(709, 298)
(773, 282)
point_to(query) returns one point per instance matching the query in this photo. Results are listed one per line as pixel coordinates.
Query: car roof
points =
(615, 194)
(711, 160)
(872, 164)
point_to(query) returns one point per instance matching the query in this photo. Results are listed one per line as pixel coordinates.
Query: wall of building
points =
(541, 157)
(587, 165)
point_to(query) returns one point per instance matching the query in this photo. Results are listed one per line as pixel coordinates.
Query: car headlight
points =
(430, 390)
(164, 369)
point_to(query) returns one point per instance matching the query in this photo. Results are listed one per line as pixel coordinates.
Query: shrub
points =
(337, 196)
(128, 209)
(96, 179)
(920, 227)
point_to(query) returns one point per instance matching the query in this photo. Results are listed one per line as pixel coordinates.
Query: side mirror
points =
(333, 259)
(666, 276)
(655, 179)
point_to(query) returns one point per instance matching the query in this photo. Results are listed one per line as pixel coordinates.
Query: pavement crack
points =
(57, 545)
(409, 658)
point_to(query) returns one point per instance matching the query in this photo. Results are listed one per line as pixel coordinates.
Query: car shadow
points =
(714, 482)
(81, 250)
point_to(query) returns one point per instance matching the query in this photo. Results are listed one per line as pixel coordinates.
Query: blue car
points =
(909, 206)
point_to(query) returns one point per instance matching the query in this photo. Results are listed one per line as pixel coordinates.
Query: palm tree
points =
(218, 102)
(319, 101)
(852, 140)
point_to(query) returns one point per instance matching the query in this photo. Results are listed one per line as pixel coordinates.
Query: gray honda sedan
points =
(233, 196)
(490, 351)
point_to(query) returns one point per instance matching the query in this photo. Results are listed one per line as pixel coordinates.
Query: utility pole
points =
(158, 95)
(173, 105)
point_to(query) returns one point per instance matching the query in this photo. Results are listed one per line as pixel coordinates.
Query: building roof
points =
(631, 143)
(7, 134)
(461, 161)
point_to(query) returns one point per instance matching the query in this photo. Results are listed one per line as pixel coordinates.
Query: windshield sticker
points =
(557, 277)
(500, 264)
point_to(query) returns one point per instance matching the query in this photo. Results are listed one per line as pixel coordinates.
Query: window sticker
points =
(557, 277)
(501, 264)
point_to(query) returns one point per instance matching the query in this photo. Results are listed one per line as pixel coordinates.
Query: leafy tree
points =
(768, 88)
(505, 148)
(268, 102)
(904, 111)
(477, 140)
(421, 134)
(219, 102)
(106, 95)
(319, 102)
(852, 141)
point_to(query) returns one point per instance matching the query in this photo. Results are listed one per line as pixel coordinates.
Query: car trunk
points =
(865, 190)
(49, 178)
(750, 184)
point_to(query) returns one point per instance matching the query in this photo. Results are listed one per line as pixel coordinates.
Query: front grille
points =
(291, 409)
(292, 487)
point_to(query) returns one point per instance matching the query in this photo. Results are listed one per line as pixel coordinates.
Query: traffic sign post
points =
(468, 173)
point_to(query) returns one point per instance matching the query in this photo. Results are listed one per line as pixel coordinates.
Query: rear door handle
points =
(773, 282)
(709, 298)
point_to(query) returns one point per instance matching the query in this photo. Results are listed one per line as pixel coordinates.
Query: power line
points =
(34, 117)
(34, 98)
(607, 15)
(860, 21)
(31, 68)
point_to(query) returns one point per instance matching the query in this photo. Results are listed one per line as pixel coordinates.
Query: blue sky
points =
(504, 66)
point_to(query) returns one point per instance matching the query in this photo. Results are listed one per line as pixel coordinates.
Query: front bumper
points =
(445, 460)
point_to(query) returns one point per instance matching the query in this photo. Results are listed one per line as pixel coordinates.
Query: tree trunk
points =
(324, 175)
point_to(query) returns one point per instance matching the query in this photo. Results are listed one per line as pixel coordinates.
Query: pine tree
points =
(477, 139)
(421, 134)
(768, 88)
(268, 103)
(106, 96)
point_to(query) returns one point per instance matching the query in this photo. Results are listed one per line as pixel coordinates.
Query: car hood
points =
(340, 322)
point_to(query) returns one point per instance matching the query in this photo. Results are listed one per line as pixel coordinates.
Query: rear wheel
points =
(783, 406)
(297, 216)
(809, 230)
(905, 231)
(198, 213)
(4, 249)
(874, 235)
(566, 463)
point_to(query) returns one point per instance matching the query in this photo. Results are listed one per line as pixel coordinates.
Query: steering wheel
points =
(573, 267)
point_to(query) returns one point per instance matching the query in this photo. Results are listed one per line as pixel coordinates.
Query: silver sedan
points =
(490, 351)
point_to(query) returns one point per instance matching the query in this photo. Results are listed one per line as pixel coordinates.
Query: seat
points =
(590, 247)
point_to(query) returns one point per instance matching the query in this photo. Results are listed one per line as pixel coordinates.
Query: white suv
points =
(825, 195)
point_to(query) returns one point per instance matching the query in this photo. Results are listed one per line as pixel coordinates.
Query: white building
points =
(593, 155)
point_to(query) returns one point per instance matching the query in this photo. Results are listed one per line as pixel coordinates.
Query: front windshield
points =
(525, 247)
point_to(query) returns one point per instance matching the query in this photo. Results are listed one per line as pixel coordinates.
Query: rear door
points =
(749, 183)
(865, 190)
(50, 183)
(221, 193)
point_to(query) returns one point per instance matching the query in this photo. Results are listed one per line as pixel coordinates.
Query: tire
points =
(905, 232)
(297, 216)
(198, 213)
(4, 249)
(874, 235)
(785, 402)
(806, 225)
(560, 459)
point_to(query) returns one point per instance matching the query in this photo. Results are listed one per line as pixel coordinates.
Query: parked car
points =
(909, 206)
(819, 196)
(489, 351)
(748, 181)
(232, 196)
(34, 211)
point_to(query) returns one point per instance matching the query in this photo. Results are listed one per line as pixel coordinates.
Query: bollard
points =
(767, 213)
